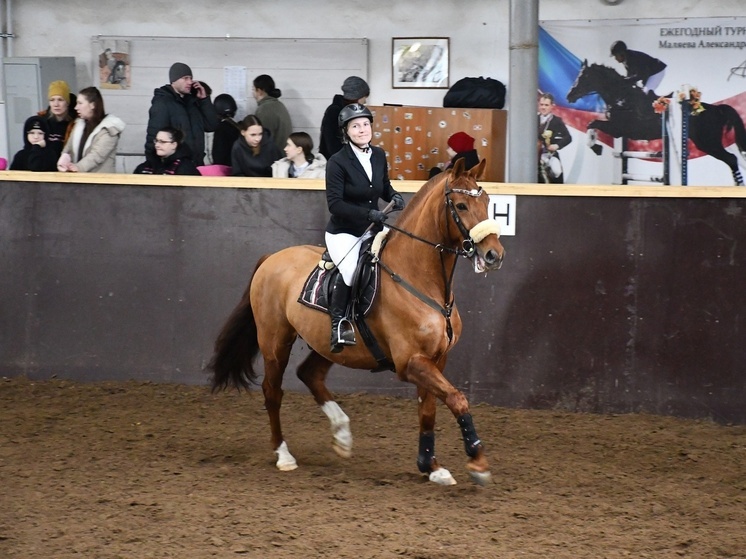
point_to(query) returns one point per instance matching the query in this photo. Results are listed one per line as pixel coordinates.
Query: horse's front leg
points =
(426, 375)
(426, 461)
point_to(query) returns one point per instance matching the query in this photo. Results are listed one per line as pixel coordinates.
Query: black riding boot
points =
(342, 332)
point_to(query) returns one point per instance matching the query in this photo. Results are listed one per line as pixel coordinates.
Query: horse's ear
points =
(585, 63)
(477, 171)
(458, 168)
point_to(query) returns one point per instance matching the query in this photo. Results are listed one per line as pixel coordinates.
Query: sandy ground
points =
(139, 470)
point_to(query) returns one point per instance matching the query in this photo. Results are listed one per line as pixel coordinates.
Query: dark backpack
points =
(476, 93)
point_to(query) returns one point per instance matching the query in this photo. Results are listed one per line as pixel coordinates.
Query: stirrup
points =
(345, 333)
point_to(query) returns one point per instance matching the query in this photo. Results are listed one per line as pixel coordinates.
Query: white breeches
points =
(345, 251)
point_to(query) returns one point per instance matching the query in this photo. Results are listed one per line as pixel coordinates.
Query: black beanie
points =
(178, 70)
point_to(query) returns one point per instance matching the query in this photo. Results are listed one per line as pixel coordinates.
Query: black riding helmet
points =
(225, 105)
(618, 47)
(351, 112)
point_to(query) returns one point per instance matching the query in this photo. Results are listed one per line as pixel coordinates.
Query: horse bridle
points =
(467, 250)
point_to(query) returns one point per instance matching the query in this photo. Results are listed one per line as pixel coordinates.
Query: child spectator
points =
(460, 146)
(37, 154)
(253, 155)
(299, 161)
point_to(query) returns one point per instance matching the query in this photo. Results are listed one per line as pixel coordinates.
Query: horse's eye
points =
(461, 206)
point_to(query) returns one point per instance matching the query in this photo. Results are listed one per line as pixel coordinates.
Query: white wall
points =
(478, 29)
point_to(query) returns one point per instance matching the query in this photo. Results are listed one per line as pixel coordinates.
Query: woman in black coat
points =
(172, 155)
(356, 178)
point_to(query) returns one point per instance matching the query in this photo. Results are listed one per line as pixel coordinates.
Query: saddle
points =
(365, 285)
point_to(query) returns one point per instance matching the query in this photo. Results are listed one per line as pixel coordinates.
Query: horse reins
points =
(467, 250)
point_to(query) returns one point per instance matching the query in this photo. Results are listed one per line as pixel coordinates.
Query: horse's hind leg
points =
(275, 363)
(312, 371)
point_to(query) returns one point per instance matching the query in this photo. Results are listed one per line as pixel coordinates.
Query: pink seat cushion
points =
(214, 170)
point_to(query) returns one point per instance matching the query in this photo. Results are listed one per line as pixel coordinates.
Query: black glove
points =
(377, 216)
(398, 201)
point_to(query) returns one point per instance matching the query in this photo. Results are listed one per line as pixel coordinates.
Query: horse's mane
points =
(423, 192)
(607, 72)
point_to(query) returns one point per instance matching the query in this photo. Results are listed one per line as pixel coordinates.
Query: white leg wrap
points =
(342, 436)
(285, 461)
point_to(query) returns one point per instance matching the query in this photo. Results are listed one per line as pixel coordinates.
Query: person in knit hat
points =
(37, 154)
(183, 104)
(354, 90)
(60, 115)
(460, 146)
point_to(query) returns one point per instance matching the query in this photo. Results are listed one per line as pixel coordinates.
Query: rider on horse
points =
(356, 177)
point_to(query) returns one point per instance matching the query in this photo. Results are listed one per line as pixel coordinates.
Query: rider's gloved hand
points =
(377, 216)
(398, 201)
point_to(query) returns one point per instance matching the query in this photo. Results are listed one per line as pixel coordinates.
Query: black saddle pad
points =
(315, 293)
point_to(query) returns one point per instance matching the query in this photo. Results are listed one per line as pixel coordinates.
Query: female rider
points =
(356, 177)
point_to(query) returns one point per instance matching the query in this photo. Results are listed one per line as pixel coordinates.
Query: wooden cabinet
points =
(415, 138)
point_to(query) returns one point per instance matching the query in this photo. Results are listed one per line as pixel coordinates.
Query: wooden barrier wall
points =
(611, 299)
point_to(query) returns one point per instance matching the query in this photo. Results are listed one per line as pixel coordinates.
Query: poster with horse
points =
(631, 91)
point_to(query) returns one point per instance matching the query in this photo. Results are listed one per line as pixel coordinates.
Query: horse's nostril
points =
(490, 257)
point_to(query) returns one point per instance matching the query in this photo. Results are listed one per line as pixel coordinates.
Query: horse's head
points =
(584, 84)
(468, 220)
(598, 78)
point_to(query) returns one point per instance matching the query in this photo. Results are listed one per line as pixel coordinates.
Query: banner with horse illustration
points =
(612, 106)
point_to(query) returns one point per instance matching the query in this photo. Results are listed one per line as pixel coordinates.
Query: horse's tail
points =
(733, 121)
(236, 347)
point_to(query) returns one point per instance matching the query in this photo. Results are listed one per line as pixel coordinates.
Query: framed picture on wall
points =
(419, 62)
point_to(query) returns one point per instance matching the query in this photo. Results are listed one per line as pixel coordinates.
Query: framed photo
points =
(419, 62)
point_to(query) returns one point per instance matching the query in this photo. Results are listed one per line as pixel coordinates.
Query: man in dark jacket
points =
(553, 136)
(354, 90)
(640, 67)
(185, 105)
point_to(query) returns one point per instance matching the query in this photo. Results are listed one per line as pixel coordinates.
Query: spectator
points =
(60, 114)
(299, 161)
(227, 132)
(271, 111)
(253, 155)
(172, 155)
(460, 146)
(37, 154)
(354, 90)
(183, 104)
(553, 136)
(92, 145)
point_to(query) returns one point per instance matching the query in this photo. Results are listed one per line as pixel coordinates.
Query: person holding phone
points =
(183, 104)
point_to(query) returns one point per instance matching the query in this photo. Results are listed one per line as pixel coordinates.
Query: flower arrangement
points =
(694, 100)
(547, 135)
(661, 104)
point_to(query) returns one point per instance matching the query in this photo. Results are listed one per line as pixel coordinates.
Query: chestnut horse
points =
(414, 318)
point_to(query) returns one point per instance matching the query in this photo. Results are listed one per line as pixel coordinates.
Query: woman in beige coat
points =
(92, 145)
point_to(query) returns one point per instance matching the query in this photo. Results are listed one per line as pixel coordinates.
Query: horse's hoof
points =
(343, 451)
(441, 476)
(285, 461)
(481, 478)
(287, 466)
